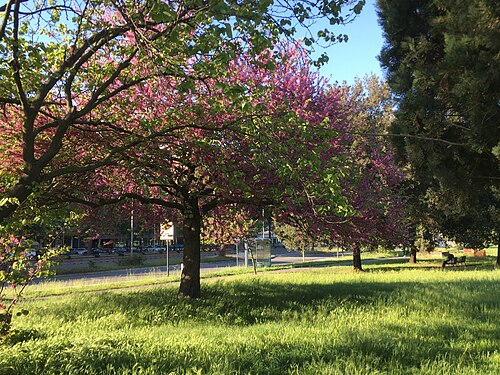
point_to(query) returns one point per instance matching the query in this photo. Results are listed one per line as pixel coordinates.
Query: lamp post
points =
(246, 253)
(263, 224)
(132, 231)
(154, 235)
(237, 260)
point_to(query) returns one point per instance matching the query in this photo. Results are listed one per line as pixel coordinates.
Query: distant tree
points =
(295, 237)
(375, 104)
(367, 176)
(441, 59)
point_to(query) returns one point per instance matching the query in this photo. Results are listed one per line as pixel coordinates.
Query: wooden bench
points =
(452, 259)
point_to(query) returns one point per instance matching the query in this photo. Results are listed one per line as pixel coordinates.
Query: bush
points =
(17, 270)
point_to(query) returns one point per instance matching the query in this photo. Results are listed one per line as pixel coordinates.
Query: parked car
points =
(97, 251)
(177, 247)
(210, 247)
(79, 251)
(151, 249)
(121, 250)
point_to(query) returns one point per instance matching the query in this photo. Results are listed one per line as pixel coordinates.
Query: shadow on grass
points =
(485, 264)
(432, 266)
(20, 335)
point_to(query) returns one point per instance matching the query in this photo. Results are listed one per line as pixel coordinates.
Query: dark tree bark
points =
(20, 193)
(413, 246)
(413, 255)
(356, 258)
(498, 252)
(190, 278)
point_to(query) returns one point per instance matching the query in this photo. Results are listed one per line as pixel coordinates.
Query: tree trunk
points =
(190, 278)
(498, 252)
(254, 261)
(356, 258)
(413, 246)
(413, 255)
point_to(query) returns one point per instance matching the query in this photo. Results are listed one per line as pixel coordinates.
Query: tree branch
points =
(5, 20)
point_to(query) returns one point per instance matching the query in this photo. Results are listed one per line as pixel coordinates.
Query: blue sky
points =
(358, 56)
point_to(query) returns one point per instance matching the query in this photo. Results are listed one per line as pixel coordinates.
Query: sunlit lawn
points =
(391, 319)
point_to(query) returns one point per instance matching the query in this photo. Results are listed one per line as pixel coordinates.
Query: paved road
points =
(280, 257)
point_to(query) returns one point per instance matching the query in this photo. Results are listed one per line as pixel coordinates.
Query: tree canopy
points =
(247, 139)
(441, 59)
(61, 62)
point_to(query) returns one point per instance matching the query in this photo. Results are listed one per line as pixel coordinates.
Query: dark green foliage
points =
(442, 62)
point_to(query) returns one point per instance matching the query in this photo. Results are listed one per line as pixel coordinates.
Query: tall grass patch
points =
(326, 321)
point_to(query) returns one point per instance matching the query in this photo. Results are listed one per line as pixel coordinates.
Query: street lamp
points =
(132, 231)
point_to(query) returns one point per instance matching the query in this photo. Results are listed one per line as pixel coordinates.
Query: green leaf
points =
(161, 12)
(229, 31)
(285, 22)
(359, 6)
(7, 200)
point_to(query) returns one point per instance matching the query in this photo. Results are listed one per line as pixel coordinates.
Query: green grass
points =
(492, 251)
(387, 320)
